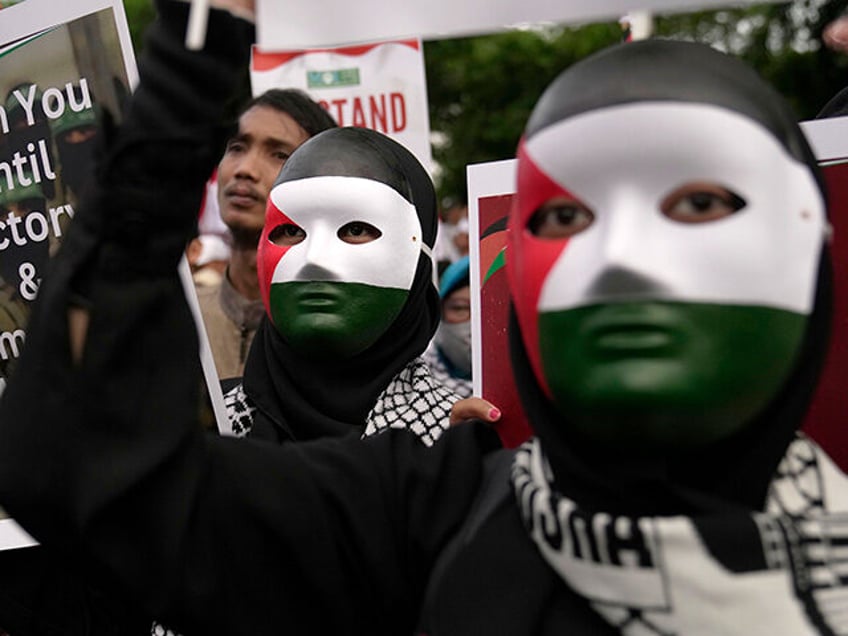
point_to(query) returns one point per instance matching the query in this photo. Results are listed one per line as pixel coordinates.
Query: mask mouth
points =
(632, 329)
(317, 295)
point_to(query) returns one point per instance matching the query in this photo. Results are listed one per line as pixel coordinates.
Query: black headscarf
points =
(735, 472)
(302, 398)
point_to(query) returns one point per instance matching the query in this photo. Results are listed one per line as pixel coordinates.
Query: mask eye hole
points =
(357, 232)
(286, 235)
(560, 218)
(701, 203)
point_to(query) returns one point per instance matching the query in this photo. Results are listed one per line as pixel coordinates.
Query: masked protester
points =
(345, 275)
(449, 354)
(657, 496)
(75, 134)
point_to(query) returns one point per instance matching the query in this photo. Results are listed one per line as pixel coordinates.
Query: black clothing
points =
(333, 536)
(156, 163)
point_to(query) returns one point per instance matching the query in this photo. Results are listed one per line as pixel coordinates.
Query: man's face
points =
(664, 270)
(253, 158)
(336, 262)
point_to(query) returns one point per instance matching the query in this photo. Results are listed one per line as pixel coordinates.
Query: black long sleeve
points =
(103, 458)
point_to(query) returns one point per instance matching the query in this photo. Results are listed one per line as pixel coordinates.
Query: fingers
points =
(835, 35)
(474, 408)
(78, 320)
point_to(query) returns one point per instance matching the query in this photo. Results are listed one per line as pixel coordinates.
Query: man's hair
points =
(298, 105)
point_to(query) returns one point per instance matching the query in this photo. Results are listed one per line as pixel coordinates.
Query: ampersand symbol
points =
(29, 285)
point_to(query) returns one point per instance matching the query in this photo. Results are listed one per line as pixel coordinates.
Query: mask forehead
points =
(628, 159)
(321, 206)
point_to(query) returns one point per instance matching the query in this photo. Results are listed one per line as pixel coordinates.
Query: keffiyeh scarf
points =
(783, 570)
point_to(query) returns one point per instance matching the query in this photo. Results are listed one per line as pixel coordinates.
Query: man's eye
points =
(701, 203)
(234, 145)
(559, 219)
(286, 235)
(358, 232)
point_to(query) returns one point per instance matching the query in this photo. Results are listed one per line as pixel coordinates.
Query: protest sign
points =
(284, 25)
(60, 68)
(490, 190)
(379, 85)
(825, 419)
(55, 81)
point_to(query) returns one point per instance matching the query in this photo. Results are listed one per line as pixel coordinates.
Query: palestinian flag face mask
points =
(336, 261)
(663, 259)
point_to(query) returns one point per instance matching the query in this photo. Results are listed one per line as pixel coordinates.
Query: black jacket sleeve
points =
(103, 459)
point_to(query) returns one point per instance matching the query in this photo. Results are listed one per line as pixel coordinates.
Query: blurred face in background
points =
(252, 160)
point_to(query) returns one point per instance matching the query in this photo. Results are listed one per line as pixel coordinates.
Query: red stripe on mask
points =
(269, 254)
(529, 259)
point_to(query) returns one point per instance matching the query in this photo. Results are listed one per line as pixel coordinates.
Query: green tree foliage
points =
(140, 14)
(481, 90)
(782, 41)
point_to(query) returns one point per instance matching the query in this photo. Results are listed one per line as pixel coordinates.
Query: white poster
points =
(378, 85)
(62, 66)
(301, 24)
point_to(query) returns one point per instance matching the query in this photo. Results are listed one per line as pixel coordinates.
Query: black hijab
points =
(303, 398)
(733, 473)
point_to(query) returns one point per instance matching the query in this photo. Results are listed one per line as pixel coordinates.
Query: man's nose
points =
(248, 166)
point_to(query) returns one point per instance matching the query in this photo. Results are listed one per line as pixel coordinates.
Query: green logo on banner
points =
(327, 79)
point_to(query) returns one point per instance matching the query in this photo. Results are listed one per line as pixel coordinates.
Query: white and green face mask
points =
(336, 261)
(671, 269)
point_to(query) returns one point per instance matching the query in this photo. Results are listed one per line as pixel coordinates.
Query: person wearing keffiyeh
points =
(670, 313)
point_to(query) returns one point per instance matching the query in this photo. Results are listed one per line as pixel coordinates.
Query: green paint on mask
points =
(666, 375)
(333, 320)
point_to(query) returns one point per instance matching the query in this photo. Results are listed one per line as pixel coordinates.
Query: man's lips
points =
(243, 197)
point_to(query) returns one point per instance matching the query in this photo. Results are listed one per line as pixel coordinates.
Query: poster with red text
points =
(378, 85)
(490, 190)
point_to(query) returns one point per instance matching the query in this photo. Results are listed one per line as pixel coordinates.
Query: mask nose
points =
(618, 282)
(629, 256)
(318, 262)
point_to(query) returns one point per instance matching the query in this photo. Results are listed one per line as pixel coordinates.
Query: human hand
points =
(242, 8)
(835, 34)
(474, 408)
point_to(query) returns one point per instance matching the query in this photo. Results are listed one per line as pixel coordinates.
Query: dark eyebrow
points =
(273, 143)
(237, 136)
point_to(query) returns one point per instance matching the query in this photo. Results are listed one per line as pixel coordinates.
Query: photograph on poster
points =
(54, 84)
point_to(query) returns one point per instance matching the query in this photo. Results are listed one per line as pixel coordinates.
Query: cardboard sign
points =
(60, 67)
(380, 85)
